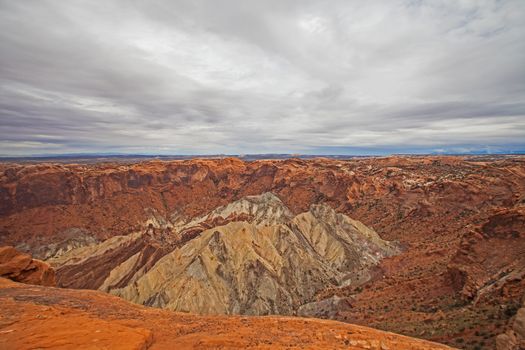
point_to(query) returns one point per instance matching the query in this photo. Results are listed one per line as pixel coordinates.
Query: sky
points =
(272, 76)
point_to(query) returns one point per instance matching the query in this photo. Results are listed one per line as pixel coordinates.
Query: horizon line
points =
(246, 155)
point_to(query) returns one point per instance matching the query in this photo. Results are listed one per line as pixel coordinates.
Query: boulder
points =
(21, 267)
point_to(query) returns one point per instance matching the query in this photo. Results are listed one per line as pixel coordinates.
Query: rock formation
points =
(447, 284)
(21, 267)
(43, 317)
(514, 338)
(252, 256)
(491, 257)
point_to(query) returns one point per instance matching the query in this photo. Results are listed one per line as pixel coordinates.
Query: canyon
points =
(428, 247)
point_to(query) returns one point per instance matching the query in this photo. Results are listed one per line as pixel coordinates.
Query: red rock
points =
(21, 267)
(429, 204)
(495, 257)
(44, 317)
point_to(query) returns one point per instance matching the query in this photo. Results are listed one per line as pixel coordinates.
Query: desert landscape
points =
(205, 174)
(427, 247)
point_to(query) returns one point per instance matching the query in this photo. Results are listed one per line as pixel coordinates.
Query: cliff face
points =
(57, 203)
(123, 220)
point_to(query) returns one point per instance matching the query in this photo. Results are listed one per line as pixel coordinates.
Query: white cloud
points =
(235, 77)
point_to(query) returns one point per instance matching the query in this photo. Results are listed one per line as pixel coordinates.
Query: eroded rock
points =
(20, 267)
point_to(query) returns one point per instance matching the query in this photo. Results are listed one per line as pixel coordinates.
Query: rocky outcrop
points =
(490, 257)
(252, 256)
(21, 267)
(514, 338)
(326, 308)
(43, 317)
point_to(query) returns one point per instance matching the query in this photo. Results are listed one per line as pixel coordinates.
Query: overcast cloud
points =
(224, 76)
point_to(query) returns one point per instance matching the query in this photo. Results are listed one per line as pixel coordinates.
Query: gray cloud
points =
(207, 76)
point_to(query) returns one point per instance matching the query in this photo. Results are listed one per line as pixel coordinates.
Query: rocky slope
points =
(432, 205)
(252, 256)
(44, 317)
(492, 257)
(514, 337)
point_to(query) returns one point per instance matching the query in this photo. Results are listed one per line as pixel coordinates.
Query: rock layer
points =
(256, 257)
(431, 205)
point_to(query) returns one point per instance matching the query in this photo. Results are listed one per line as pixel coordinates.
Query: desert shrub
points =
(511, 310)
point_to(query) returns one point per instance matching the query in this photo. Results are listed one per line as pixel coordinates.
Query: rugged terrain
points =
(514, 337)
(45, 317)
(455, 222)
(256, 258)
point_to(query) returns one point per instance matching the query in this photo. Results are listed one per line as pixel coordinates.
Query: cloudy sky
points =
(225, 76)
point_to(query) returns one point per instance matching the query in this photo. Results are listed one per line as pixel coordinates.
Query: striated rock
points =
(256, 258)
(432, 205)
(44, 317)
(21, 267)
(113, 263)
